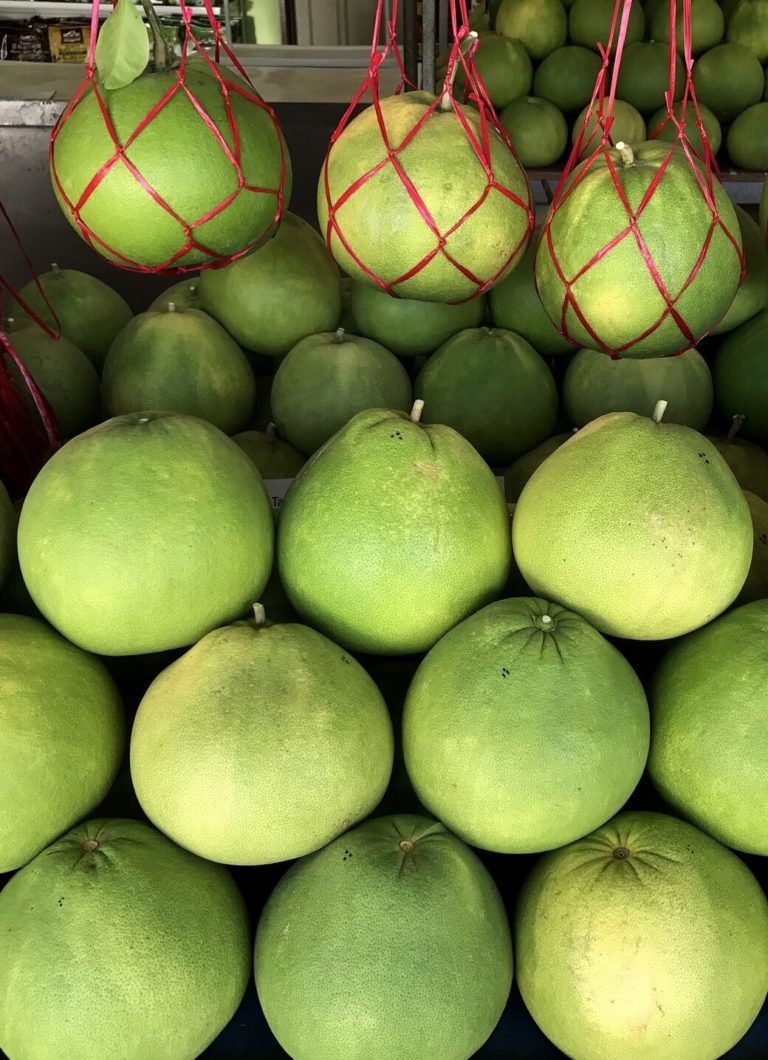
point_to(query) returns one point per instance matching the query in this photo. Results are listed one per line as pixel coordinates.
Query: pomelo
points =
(272, 455)
(179, 156)
(665, 543)
(748, 26)
(261, 744)
(504, 66)
(520, 470)
(741, 381)
(384, 232)
(595, 384)
(537, 129)
(747, 139)
(589, 23)
(287, 289)
(620, 307)
(756, 585)
(707, 25)
(628, 127)
(644, 75)
(63, 737)
(179, 360)
(567, 77)
(541, 25)
(8, 521)
(116, 943)
(378, 535)
(645, 939)
(709, 752)
(391, 942)
(728, 79)
(185, 295)
(410, 328)
(492, 387)
(326, 379)
(145, 533)
(752, 296)
(748, 462)
(90, 313)
(661, 127)
(493, 716)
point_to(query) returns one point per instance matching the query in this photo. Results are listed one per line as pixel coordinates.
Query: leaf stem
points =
(161, 56)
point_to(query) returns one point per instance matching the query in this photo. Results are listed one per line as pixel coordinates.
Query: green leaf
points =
(122, 48)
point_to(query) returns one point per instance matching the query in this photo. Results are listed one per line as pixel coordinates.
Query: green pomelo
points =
(384, 232)
(589, 23)
(391, 942)
(707, 25)
(106, 910)
(8, 522)
(620, 305)
(627, 127)
(747, 139)
(492, 387)
(567, 77)
(748, 462)
(520, 470)
(709, 753)
(504, 66)
(516, 306)
(326, 379)
(410, 328)
(644, 75)
(179, 361)
(184, 295)
(752, 296)
(541, 25)
(756, 585)
(537, 129)
(748, 26)
(89, 313)
(145, 533)
(287, 289)
(728, 79)
(63, 737)
(645, 939)
(182, 159)
(661, 127)
(272, 455)
(261, 744)
(595, 384)
(665, 543)
(741, 380)
(493, 716)
(378, 535)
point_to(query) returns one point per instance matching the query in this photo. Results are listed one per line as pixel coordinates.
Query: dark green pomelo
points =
(184, 295)
(728, 79)
(8, 521)
(385, 233)
(287, 289)
(90, 314)
(64, 737)
(756, 585)
(261, 744)
(179, 361)
(504, 66)
(589, 23)
(741, 379)
(411, 328)
(391, 942)
(493, 716)
(620, 305)
(709, 754)
(748, 462)
(707, 25)
(628, 127)
(537, 129)
(378, 534)
(665, 543)
(520, 470)
(748, 26)
(644, 75)
(752, 296)
(326, 379)
(491, 386)
(747, 140)
(179, 156)
(272, 455)
(661, 127)
(567, 77)
(110, 907)
(645, 939)
(595, 384)
(541, 25)
(166, 533)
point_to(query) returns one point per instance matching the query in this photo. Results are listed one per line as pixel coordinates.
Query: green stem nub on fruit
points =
(171, 307)
(270, 433)
(658, 412)
(620, 853)
(626, 152)
(340, 333)
(89, 845)
(259, 614)
(406, 846)
(545, 623)
(736, 425)
(416, 411)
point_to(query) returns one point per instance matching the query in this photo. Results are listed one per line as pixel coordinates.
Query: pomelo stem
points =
(736, 425)
(340, 333)
(259, 614)
(171, 307)
(626, 152)
(54, 267)
(161, 56)
(446, 100)
(416, 411)
(658, 412)
(270, 432)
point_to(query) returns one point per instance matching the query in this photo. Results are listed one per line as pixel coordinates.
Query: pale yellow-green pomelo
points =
(747, 139)
(287, 289)
(661, 127)
(752, 296)
(709, 754)
(504, 66)
(8, 522)
(741, 380)
(261, 744)
(537, 129)
(665, 543)
(707, 25)
(645, 939)
(728, 79)
(328, 378)
(595, 383)
(628, 126)
(63, 737)
(378, 535)
(378, 228)
(747, 461)
(145, 533)
(644, 76)
(520, 470)
(185, 295)
(492, 387)
(748, 25)
(567, 77)
(541, 25)
(756, 585)
(117, 943)
(272, 455)
(589, 23)
(392, 942)
(495, 712)
(179, 360)
(181, 158)
(90, 313)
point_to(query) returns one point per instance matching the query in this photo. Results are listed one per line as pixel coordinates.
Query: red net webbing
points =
(462, 51)
(190, 241)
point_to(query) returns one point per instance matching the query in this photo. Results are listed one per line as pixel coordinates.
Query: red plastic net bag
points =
(419, 194)
(172, 165)
(640, 254)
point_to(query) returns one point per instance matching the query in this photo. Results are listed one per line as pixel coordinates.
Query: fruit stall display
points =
(382, 608)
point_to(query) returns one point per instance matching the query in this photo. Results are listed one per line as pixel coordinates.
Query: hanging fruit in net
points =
(172, 164)
(422, 195)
